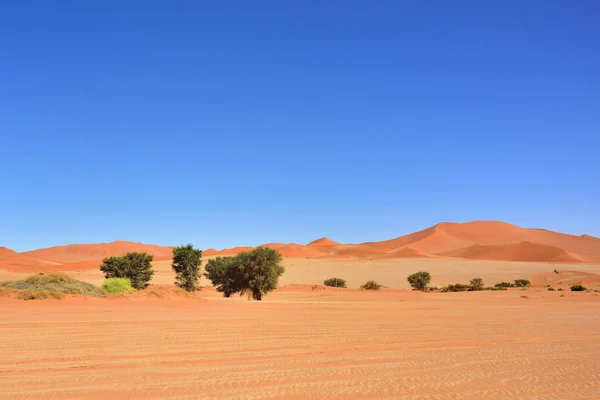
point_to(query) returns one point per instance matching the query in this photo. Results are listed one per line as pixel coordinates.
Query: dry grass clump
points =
(55, 283)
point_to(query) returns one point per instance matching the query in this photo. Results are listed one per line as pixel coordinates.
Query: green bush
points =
(458, 287)
(135, 266)
(578, 288)
(335, 282)
(504, 284)
(255, 272)
(522, 283)
(60, 283)
(476, 284)
(186, 264)
(495, 288)
(118, 285)
(419, 280)
(371, 285)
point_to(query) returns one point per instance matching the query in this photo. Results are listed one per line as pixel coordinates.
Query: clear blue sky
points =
(231, 123)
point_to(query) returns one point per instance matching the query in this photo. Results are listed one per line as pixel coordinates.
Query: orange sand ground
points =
(304, 344)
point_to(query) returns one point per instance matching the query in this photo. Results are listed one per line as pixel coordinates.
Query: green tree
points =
(186, 264)
(477, 284)
(419, 280)
(225, 274)
(259, 270)
(135, 266)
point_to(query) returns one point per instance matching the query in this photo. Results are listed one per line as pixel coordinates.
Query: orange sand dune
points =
(323, 242)
(472, 240)
(524, 251)
(7, 253)
(87, 252)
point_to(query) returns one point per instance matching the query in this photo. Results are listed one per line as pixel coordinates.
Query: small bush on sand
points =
(476, 284)
(135, 266)
(578, 288)
(28, 294)
(371, 285)
(522, 283)
(419, 280)
(495, 288)
(118, 285)
(560, 290)
(551, 289)
(504, 284)
(60, 283)
(335, 282)
(459, 287)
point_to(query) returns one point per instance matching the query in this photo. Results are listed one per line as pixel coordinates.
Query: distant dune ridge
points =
(477, 240)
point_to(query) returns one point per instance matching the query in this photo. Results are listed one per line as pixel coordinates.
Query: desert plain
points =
(307, 341)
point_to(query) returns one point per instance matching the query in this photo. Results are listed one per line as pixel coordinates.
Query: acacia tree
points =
(260, 271)
(225, 274)
(419, 280)
(255, 272)
(186, 264)
(135, 266)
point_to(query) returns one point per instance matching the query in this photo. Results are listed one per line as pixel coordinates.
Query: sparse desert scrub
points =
(335, 282)
(29, 294)
(578, 288)
(118, 285)
(371, 285)
(458, 287)
(504, 284)
(495, 288)
(522, 283)
(419, 280)
(59, 283)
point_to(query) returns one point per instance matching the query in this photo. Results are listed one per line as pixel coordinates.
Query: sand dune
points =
(87, 252)
(490, 240)
(524, 251)
(7, 253)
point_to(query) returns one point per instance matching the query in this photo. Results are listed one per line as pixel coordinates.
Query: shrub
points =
(551, 289)
(504, 284)
(578, 288)
(186, 264)
(60, 283)
(522, 283)
(419, 280)
(495, 288)
(135, 266)
(335, 282)
(118, 285)
(476, 284)
(560, 290)
(371, 285)
(459, 287)
(225, 274)
(29, 294)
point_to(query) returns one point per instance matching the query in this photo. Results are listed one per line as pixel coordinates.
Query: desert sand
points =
(305, 341)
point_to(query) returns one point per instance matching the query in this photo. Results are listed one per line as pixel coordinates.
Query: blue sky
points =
(240, 123)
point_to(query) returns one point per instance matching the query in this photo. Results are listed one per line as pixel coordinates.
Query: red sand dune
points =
(7, 253)
(87, 252)
(323, 242)
(490, 240)
(524, 251)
